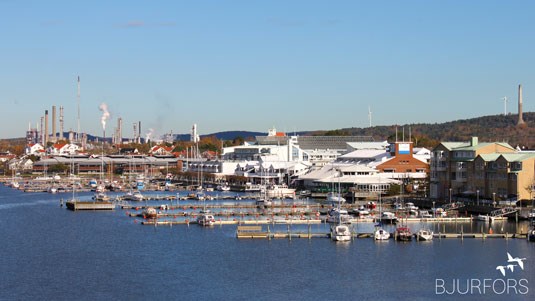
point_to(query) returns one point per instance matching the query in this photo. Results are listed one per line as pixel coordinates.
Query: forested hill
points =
(496, 128)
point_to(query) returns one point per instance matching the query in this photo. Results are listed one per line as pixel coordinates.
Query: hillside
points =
(495, 128)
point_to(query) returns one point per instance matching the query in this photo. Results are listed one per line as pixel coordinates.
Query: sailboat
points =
(205, 218)
(264, 199)
(339, 231)
(380, 233)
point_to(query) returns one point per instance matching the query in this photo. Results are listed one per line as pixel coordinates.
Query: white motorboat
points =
(388, 218)
(279, 191)
(425, 214)
(336, 215)
(333, 198)
(223, 187)
(340, 233)
(381, 234)
(424, 235)
(133, 196)
(205, 218)
(150, 212)
(101, 196)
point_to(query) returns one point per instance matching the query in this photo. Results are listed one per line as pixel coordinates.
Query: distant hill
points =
(495, 128)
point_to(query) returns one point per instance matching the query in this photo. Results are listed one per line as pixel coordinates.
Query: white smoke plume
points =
(105, 114)
(149, 134)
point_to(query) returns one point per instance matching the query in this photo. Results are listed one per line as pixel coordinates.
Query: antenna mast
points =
(78, 119)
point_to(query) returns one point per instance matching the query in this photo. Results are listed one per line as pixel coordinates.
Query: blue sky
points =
(251, 65)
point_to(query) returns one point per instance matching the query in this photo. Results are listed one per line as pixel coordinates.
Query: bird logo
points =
(512, 263)
(520, 261)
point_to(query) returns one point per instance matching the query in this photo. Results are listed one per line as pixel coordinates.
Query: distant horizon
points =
(290, 133)
(297, 66)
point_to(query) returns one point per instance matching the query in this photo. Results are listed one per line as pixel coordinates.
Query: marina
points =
(120, 241)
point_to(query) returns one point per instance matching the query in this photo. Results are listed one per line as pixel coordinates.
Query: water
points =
(49, 252)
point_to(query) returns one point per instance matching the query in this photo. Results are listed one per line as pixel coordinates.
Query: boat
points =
(93, 183)
(101, 196)
(403, 233)
(279, 191)
(340, 233)
(388, 218)
(381, 234)
(337, 215)
(250, 187)
(424, 235)
(133, 196)
(149, 213)
(333, 198)
(205, 218)
(425, 214)
(484, 218)
(223, 187)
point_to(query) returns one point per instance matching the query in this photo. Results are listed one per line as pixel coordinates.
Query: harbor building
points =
(369, 169)
(453, 171)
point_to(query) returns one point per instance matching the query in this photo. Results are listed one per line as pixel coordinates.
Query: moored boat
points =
(337, 215)
(424, 235)
(381, 234)
(340, 233)
(150, 212)
(403, 234)
(388, 218)
(205, 218)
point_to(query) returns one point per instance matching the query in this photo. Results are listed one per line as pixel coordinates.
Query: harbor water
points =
(51, 253)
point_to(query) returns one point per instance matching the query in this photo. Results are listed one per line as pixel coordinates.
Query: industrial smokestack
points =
(61, 122)
(54, 136)
(46, 128)
(520, 118)
(139, 132)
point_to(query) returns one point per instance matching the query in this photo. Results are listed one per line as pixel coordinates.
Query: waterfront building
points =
(369, 169)
(452, 165)
(508, 176)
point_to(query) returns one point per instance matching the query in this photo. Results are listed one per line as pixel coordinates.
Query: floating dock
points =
(82, 205)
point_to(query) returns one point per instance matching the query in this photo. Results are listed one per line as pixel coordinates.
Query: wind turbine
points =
(370, 115)
(504, 105)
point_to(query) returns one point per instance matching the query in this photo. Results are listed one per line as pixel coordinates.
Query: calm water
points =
(51, 253)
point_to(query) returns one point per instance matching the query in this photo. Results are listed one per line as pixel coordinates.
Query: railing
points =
(502, 212)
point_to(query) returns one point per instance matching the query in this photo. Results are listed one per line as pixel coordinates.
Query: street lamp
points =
(477, 193)
(450, 195)
(494, 198)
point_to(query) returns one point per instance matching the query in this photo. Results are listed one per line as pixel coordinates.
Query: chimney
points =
(54, 124)
(46, 128)
(520, 119)
(474, 141)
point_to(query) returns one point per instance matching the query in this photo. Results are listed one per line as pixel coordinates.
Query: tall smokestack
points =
(139, 132)
(520, 117)
(61, 122)
(46, 128)
(54, 135)
(41, 136)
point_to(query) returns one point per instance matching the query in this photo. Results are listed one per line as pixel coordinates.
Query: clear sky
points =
(252, 65)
